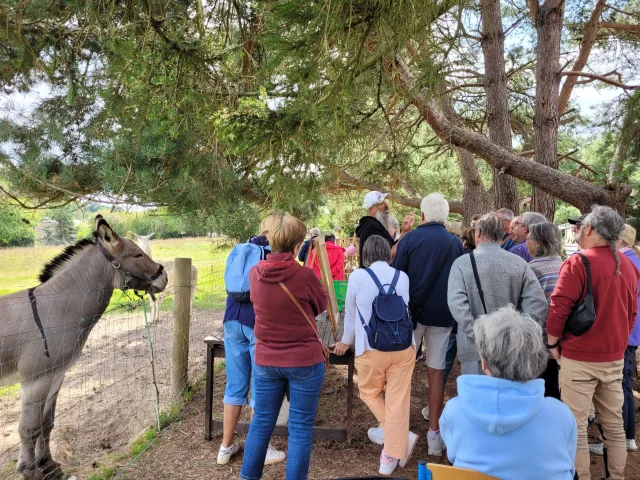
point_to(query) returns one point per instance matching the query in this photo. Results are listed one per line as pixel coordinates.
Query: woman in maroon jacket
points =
(286, 298)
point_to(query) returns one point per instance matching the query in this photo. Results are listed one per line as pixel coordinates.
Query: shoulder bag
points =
(314, 327)
(477, 277)
(584, 314)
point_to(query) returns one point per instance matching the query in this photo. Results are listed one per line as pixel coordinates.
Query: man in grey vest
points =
(501, 279)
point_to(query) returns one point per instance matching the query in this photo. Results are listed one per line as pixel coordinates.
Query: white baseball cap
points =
(373, 198)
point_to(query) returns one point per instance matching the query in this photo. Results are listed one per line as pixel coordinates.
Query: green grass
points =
(142, 442)
(20, 267)
(9, 390)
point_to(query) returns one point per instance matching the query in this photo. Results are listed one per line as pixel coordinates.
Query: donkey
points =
(43, 329)
(144, 242)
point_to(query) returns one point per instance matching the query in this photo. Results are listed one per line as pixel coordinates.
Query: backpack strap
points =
(587, 267)
(477, 277)
(375, 279)
(394, 282)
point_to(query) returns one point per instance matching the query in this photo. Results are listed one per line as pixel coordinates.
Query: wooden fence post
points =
(181, 321)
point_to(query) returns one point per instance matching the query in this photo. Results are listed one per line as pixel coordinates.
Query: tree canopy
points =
(227, 109)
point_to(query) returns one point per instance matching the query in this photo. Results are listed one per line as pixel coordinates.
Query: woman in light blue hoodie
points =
(501, 424)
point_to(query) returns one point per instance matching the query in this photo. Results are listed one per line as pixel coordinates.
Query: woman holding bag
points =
(288, 354)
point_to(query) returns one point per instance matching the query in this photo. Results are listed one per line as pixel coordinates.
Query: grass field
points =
(20, 267)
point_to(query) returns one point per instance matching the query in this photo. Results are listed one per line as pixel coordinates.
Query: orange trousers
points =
(391, 409)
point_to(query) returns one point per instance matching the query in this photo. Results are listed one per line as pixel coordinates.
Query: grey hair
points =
(529, 218)
(511, 345)
(548, 237)
(435, 208)
(315, 231)
(375, 249)
(506, 213)
(606, 222)
(490, 227)
(394, 223)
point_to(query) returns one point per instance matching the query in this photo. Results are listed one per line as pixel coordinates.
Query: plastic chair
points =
(434, 471)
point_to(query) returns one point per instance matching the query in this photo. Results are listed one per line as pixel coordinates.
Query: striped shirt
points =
(547, 270)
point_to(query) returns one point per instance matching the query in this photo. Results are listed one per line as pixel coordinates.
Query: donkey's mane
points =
(50, 268)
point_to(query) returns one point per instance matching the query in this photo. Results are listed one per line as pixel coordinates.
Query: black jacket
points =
(371, 226)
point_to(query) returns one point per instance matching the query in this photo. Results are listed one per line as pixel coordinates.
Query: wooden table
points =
(215, 349)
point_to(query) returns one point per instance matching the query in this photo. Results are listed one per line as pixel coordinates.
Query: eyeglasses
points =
(579, 225)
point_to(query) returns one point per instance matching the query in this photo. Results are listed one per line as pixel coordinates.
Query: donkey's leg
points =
(34, 397)
(46, 464)
(159, 300)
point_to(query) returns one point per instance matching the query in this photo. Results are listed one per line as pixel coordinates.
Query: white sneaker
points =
(435, 442)
(425, 413)
(631, 445)
(597, 448)
(376, 435)
(413, 439)
(387, 464)
(225, 453)
(274, 456)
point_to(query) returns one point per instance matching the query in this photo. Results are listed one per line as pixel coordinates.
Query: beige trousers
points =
(584, 382)
(392, 410)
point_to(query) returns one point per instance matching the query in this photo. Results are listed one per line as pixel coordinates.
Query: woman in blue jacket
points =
(501, 424)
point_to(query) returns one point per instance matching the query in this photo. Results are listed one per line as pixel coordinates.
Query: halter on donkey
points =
(43, 329)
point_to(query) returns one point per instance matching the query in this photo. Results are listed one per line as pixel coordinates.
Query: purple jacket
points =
(634, 338)
(522, 251)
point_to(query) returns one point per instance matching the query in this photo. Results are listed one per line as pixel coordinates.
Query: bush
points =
(14, 230)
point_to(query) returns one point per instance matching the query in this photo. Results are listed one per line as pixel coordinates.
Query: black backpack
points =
(390, 328)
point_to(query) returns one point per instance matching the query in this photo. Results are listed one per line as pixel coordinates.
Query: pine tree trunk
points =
(546, 119)
(495, 84)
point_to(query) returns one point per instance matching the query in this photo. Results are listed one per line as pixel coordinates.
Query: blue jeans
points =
(304, 384)
(239, 342)
(452, 350)
(628, 407)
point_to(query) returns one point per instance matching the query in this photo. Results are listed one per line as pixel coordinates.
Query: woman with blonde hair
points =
(288, 353)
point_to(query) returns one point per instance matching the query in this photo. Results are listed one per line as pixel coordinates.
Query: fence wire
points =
(108, 397)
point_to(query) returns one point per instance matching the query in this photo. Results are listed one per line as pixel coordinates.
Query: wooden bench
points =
(215, 349)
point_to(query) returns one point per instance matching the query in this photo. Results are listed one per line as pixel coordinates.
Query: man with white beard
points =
(377, 220)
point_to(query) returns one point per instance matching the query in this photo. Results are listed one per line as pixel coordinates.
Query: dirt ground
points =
(182, 453)
(108, 398)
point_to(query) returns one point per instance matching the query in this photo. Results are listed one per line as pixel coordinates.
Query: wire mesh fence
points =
(111, 394)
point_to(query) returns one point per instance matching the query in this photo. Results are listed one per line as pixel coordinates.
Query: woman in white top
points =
(375, 368)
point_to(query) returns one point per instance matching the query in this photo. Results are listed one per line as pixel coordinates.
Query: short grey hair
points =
(394, 223)
(511, 345)
(606, 222)
(529, 218)
(490, 227)
(435, 208)
(505, 213)
(375, 249)
(548, 237)
(315, 231)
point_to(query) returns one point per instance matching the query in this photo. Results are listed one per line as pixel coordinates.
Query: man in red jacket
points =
(591, 364)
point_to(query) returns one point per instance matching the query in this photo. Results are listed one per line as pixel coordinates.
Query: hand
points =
(555, 353)
(339, 348)
(407, 223)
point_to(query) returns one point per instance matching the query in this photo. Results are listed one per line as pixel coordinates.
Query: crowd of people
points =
(541, 341)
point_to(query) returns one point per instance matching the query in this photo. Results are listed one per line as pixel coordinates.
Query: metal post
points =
(181, 320)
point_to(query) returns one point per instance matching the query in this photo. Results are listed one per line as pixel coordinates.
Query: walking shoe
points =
(631, 445)
(413, 439)
(425, 413)
(387, 464)
(274, 456)
(597, 448)
(225, 453)
(376, 435)
(435, 442)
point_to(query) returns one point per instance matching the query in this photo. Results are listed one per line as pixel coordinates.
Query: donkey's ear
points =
(105, 233)
(151, 234)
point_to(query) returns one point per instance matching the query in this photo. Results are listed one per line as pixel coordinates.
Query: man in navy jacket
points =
(426, 255)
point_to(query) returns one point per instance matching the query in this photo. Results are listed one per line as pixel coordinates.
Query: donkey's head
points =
(139, 272)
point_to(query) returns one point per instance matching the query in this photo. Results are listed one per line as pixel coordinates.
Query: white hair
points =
(435, 208)
(511, 345)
